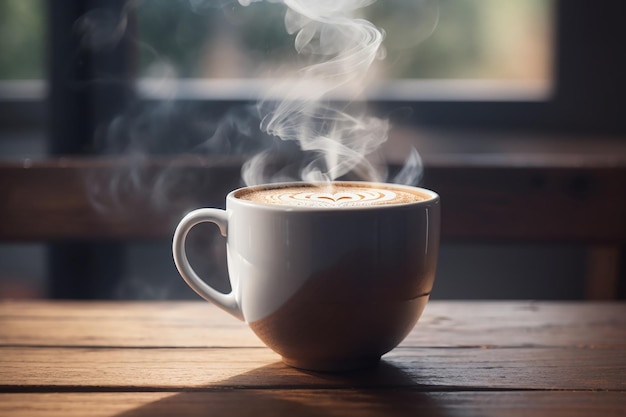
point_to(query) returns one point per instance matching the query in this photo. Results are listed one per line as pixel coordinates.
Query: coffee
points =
(332, 195)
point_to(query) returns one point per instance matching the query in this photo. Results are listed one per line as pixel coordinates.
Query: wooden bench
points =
(485, 198)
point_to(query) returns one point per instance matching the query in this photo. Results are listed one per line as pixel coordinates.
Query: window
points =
(22, 28)
(22, 75)
(564, 72)
(454, 49)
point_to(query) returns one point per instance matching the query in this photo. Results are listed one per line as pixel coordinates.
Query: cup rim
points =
(432, 197)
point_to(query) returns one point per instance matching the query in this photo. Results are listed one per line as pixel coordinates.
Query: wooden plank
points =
(89, 198)
(530, 203)
(124, 324)
(519, 324)
(498, 197)
(70, 369)
(200, 324)
(603, 269)
(556, 359)
(348, 402)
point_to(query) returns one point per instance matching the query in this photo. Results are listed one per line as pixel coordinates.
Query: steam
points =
(411, 172)
(316, 119)
(318, 109)
(342, 138)
(102, 27)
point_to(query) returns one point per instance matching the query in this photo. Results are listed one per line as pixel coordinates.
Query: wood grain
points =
(323, 402)
(488, 197)
(129, 359)
(30, 369)
(98, 198)
(200, 324)
(153, 324)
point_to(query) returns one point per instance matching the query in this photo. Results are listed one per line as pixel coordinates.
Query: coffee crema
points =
(330, 196)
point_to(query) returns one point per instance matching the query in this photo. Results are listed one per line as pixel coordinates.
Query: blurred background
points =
(167, 77)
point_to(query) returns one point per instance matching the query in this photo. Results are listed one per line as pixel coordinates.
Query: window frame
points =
(588, 85)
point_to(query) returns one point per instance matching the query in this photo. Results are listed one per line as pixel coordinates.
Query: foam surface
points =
(330, 196)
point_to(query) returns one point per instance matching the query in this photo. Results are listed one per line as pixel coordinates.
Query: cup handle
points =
(226, 302)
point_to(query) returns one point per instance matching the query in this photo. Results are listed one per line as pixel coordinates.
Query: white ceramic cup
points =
(327, 288)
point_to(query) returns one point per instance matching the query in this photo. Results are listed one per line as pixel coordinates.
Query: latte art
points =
(342, 198)
(336, 195)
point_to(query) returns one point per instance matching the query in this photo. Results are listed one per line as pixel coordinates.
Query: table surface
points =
(189, 358)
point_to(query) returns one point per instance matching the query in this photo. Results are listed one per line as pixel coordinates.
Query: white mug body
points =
(326, 288)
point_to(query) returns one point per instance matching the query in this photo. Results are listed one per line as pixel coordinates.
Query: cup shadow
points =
(383, 390)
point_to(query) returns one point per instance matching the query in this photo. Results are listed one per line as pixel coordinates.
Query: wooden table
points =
(188, 358)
